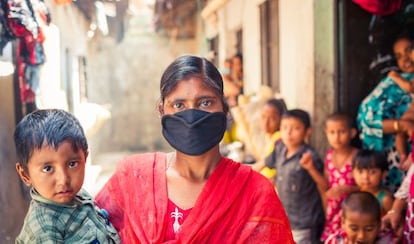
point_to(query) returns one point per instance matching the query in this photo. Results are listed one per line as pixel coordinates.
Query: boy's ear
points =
(23, 175)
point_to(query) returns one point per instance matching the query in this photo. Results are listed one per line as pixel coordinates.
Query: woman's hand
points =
(406, 126)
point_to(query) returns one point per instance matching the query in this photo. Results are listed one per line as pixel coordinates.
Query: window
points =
(269, 40)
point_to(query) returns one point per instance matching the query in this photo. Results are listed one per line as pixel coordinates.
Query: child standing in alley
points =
(338, 169)
(296, 186)
(369, 168)
(361, 221)
(52, 150)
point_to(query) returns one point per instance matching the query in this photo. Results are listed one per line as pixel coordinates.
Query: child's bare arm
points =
(338, 191)
(259, 165)
(387, 202)
(401, 82)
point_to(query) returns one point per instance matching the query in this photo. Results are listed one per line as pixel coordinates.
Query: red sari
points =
(237, 205)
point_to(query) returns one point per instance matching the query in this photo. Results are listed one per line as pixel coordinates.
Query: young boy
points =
(296, 187)
(361, 221)
(51, 150)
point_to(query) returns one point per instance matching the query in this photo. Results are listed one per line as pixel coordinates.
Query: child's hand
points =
(306, 161)
(401, 82)
(334, 192)
(406, 163)
(393, 75)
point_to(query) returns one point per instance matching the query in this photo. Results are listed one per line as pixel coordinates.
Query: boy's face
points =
(368, 179)
(338, 133)
(360, 228)
(270, 119)
(292, 132)
(56, 174)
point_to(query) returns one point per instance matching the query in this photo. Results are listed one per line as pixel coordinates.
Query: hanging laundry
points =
(380, 7)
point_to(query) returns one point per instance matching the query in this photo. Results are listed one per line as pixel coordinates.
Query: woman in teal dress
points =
(379, 114)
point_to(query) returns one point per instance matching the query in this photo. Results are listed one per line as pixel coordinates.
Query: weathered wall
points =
(307, 53)
(12, 201)
(325, 56)
(126, 78)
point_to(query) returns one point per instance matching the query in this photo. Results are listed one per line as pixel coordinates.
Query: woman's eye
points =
(73, 164)
(178, 105)
(205, 103)
(47, 169)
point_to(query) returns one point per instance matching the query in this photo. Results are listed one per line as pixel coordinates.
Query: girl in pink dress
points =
(338, 170)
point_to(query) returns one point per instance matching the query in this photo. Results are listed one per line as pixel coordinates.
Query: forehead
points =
(360, 219)
(292, 121)
(401, 45)
(191, 88)
(270, 109)
(330, 124)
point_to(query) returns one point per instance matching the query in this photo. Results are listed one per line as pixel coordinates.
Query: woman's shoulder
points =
(140, 160)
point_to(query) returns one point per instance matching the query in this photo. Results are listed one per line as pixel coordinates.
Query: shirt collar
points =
(80, 199)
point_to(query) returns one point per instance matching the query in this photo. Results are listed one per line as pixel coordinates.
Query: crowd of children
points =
(331, 201)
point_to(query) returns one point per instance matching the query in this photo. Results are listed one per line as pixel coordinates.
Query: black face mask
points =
(193, 131)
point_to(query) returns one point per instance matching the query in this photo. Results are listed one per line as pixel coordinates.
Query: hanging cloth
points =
(380, 7)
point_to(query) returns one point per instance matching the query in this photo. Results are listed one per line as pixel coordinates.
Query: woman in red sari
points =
(192, 195)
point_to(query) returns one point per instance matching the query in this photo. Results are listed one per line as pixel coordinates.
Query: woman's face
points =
(402, 50)
(192, 94)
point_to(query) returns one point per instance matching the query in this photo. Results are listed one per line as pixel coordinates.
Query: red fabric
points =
(172, 219)
(380, 7)
(237, 205)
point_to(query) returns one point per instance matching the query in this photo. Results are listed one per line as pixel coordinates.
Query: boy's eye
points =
(47, 169)
(369, 229)
(73, 164)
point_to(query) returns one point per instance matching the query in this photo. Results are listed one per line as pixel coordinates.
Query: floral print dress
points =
(337, 177)
(386, 101)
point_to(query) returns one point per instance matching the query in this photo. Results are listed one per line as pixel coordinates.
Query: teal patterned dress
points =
(386, 101)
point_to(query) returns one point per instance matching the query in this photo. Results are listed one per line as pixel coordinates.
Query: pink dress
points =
(337, 177)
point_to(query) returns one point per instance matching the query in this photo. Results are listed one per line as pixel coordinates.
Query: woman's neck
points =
(196, 168)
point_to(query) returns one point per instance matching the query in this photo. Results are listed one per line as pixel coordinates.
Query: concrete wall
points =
(307, 53)
(126, 78)
(12, 199)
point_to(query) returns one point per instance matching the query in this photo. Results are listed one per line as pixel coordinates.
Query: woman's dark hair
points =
(48, 127)
(186, 67)
(278, 104)
(368, 159)
(362, 203)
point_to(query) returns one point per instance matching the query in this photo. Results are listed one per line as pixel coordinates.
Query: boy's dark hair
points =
(368, 159)
(340, 116)
(362, 203)
(299, 114)
(278, 104)
(50, 127)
